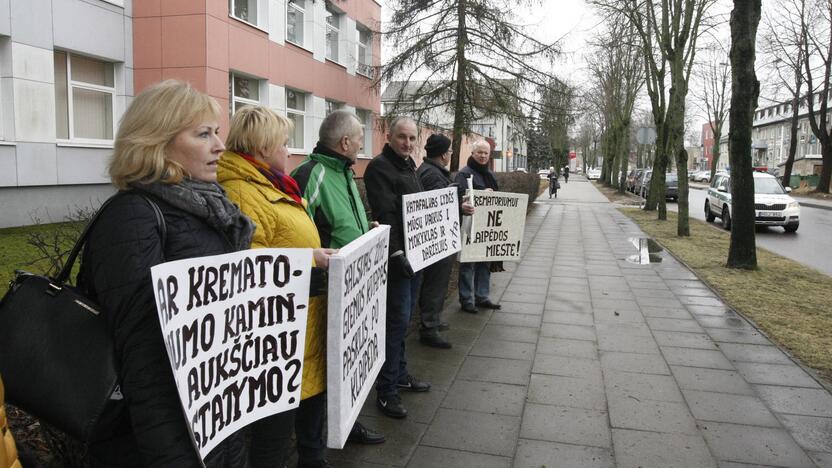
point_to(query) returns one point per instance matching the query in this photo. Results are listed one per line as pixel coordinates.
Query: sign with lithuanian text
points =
(496, 228)
(431, 226)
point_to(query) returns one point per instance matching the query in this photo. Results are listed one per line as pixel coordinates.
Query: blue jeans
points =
(474, 282)
(402, 294)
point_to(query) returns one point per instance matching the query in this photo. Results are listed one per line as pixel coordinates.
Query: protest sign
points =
(356, 318)
(431, 226)
(234, 326)
(497, 227)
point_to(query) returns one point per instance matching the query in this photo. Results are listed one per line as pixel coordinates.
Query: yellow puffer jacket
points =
(281, 222)
(8, 452)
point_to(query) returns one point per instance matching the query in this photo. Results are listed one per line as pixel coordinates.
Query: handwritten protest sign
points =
(234, 327)
(355, 328)
(431, 226)
(497, 227)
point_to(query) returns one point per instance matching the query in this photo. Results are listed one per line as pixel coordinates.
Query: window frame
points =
(302, 114)
(368, 133)
(368, 52)
(302, 11)
(234, 99)
(70, 108)
(254, 23)
(331, 11)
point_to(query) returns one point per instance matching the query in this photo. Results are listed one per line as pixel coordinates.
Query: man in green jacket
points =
(325, 179)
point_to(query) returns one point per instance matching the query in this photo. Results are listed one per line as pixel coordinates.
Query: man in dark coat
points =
(388, 177)
(434, 175)
(475, 277)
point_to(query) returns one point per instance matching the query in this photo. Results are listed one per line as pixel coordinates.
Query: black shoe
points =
(487, 304)
(468, 307)
(435, 341)
(413, 384)
(362, 435)
(391, 406)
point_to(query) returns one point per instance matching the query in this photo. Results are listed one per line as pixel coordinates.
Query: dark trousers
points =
(432, 294)
(309, 430)
(402, 294)
(474, 282)
(270, 440)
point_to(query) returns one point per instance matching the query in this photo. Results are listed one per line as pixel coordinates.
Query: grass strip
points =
(790, 302)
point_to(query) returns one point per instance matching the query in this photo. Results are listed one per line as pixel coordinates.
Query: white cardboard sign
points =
(234, 326)
(497, 227)
(356, 321)
(431, 226)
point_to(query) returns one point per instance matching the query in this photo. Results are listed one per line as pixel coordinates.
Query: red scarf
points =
(283, 182)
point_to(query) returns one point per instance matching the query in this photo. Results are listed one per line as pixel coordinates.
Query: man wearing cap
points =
(433, 174)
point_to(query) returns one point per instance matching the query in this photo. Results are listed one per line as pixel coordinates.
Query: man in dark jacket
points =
(434, 175)
(389, 176)
(475, 278)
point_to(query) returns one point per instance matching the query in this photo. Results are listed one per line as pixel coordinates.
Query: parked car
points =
(632, 178)
(593, 174)
(701, 176)
(520, 169)
(772, 204)
(671, 185)
(643, 183)
(543, 174)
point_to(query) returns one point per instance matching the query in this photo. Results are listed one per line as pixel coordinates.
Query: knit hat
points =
(437, 145)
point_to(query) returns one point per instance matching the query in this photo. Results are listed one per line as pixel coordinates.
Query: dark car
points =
(671, 186)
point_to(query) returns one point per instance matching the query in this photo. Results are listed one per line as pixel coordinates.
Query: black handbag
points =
(56, 355)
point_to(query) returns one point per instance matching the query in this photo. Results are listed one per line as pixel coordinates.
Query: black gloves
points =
(400, 266)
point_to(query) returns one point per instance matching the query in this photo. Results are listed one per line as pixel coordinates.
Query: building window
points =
(244, 91)
(295, 10)
(84, 98)
(244, 10)
(296, 111)
(333, 32)
(365, 52)
(332, 106)
(366, 118)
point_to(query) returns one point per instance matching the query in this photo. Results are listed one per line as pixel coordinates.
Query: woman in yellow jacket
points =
(252, 172)
(8, 452)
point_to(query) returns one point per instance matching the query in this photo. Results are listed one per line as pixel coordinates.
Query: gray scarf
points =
(206, 200)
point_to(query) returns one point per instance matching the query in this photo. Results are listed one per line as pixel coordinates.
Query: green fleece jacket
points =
(326, 182)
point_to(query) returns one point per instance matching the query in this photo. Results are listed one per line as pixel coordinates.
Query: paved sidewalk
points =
(597, 362)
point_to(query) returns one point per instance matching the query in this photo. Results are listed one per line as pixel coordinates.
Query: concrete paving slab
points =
(712, 359)
(431, 457)
(665, 312)
(520, 308)
(709, 310)
(823, 459)
(515, 320)
(421, 406)
(402, 438)
(656, 292)
(571, 348)
(633, 362)
(613, 316)
(753, 444)
(567, 425)
(537, 454)
(796, 400)
(726, 407)
(568, 367)
(637, 449)
(496, 370)
(726, 321)
(641, 387)
(627, 344)
(737, 336)
(651, 415)
(574, 392)
(572, 332)
(789, 375)
(503, 349)
(768, 354)
(569, 318)
(471, 431)
(658, 302)
(812, 433)
(675, 325)
(684, 340)
(440, 374)
(569, 306)
(711, 380)
(509, 333)
(486, 397)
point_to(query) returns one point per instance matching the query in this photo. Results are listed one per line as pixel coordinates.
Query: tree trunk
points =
(625, 158)
(460, 125)
(787, 169)
(744, 92)
(826, 171)
(676, 121)
(716, 151)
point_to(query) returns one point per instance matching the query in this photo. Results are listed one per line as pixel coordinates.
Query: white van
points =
(772, 204)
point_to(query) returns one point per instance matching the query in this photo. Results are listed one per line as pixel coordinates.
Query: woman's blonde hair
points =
(256, 128)
(149, 125)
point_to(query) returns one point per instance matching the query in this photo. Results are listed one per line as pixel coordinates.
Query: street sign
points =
(646, 136)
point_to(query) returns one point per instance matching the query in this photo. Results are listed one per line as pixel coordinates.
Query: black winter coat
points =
(480, 182)
(433, 176)
(387, 178)
(122, 246)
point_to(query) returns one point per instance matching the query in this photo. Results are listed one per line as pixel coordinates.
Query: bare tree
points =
(745, 90)
(817, 49)
(783, 44)
(482, 63)
(715, 74)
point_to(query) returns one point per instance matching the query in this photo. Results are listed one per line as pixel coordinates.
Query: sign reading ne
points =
(431, 226)
(234, 326)
(497, 227)
(356, 317)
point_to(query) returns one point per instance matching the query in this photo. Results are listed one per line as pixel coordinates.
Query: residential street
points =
(597, 362)
(804, 246)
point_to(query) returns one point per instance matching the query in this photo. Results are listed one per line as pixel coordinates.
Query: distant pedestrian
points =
(554, 185)
(566, 174)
